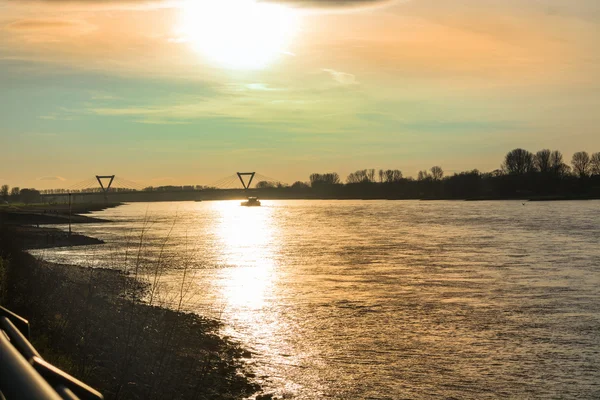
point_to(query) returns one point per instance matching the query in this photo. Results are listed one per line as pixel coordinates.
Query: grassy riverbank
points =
(93, 324)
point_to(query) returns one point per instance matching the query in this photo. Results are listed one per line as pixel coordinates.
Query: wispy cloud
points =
(258, 107)
(100, 4)
(256, 101)
(260, 86)
(97, 95)
(51, 178)
(247, 108)
(330, 3)
(178, 39)
(62, 25)
(174, 3)
(342, 77)
(29, 24)
(235, 88)
(160, 121)
(56, 117)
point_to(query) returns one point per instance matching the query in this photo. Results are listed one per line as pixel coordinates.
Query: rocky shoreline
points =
(93, 324)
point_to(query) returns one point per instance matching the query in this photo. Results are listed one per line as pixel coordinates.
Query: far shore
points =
(92, 199)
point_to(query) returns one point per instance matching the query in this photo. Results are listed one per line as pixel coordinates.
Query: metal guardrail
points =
(25, 375)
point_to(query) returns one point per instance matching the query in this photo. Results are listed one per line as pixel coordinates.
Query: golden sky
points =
(180, 92)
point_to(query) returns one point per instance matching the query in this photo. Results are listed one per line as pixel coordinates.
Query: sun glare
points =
(238, 34)
(247, 236)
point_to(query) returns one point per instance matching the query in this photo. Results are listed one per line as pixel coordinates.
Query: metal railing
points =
(25, 375)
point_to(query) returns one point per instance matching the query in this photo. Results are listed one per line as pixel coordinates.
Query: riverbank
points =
(24, 222)
(94, 324)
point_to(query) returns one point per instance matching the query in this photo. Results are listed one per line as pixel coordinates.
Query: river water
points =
(381, 299)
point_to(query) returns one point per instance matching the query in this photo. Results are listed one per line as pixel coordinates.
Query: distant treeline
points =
(522, 174)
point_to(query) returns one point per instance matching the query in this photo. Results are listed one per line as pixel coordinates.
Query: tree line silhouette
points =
(522, 174)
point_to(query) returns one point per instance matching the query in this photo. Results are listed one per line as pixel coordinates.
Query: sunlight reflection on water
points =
(381, 299)
(246, 237)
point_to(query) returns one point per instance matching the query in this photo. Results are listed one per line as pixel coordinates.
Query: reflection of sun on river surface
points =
(247, 243)
(248, 246)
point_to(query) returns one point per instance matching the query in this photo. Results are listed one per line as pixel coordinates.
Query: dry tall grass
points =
(113, 329)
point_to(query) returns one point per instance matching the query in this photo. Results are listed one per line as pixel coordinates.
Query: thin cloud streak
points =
(96, 4)
(302, 3)
(330, 3)
(52, 178)
(341, 77)
(35, 24)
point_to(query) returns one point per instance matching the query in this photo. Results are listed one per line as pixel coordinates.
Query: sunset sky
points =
(178, 92)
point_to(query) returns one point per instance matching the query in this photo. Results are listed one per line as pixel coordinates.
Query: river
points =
(380, 299)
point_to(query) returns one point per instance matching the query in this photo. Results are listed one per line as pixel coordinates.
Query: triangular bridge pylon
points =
(110, 181)
(243, 174)
(106, 188)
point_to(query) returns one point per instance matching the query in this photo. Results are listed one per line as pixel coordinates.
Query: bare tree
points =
(361, 176)
(331, 178)
(396, 175)
(542, 161)
(381, 174)
(556, 158)
(314, 179)
(423, 175)
(437, 173)
(4, 192)
(557, 166)
(556, 162)
(388, 175)
(371, 175)
(356, 177)
(581, 163)
(518, 162)
(392, 175)
(265, 185)
(595, 164)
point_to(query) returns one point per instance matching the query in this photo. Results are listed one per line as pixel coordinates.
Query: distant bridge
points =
(245, 180)
(105, 185)
(114, 183)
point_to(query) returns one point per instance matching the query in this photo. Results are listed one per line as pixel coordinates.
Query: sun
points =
(238, 34)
